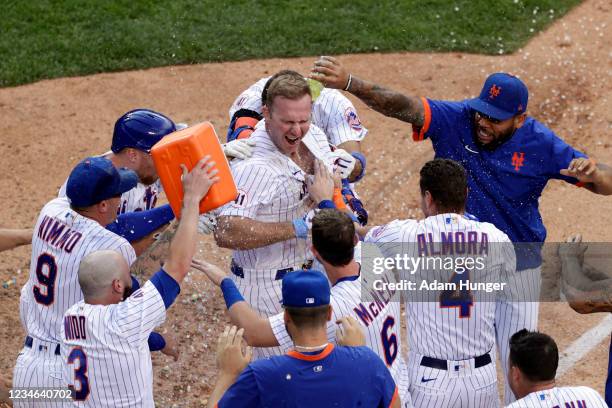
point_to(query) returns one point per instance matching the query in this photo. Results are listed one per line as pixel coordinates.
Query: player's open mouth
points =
(292, 141)
(483, 136)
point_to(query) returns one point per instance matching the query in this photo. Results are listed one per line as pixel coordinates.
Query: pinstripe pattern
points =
(572, 397)
(345, 299)
(330, 112)
(119, 367)
(66, 237)
(140, 198)
(439, 332)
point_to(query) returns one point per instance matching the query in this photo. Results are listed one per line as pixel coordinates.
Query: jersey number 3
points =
(389, 340)
(46, 273)
(80, 374)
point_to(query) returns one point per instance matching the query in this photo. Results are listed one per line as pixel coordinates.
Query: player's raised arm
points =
(332, 74)
(12, 238)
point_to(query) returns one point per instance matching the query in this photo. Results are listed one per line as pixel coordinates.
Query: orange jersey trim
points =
(418, 134)
(395, 397)
(316, 357)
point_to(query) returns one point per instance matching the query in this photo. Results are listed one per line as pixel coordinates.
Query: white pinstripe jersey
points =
(140, 198)
(562, 397)
(332, 112)
(61, 239)
(272, 188)
(436, 329)
(106, 350)
(380, 320)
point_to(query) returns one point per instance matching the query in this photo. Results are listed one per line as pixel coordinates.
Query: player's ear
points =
(315, 253)
(265, 111)
(519, 120)
(329, 313)
(117, 286)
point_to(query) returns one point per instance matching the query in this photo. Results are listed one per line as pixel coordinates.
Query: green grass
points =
(46, 39)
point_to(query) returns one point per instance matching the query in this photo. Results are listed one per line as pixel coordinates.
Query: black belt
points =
(439, 364)
(29, 341)
(280, 273)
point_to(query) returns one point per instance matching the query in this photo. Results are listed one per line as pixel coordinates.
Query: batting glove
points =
(303, 225)
(239, 148)
(344, 162)
(207, 223)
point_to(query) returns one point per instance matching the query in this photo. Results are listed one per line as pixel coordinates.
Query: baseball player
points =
(315, 373)
(265, 225)
(65, 232)
(332, 112)
(451, 333)
(587, 290)
(104, 336)
(509, 158)
(534, 358)
(333, 238)
(13, 238)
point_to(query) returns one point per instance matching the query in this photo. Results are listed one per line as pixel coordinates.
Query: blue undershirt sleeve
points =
(138, 224)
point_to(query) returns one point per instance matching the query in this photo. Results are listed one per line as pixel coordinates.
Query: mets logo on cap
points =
(352, 119)
(494, 91)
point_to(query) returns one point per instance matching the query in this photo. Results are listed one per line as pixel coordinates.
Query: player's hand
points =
(344, 162)
(352, 333)
(171, 349)
(207, 223)
(239, 148)
(573, 248)
(198, 181)
(212, 272)
(582, 168)
(330, 73)
(321, 186)
(232, 353)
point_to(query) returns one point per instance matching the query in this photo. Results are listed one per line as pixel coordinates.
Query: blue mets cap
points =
(95, 179)
(502, 97)
(305, 289)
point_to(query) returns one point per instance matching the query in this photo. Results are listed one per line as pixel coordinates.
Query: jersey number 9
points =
(46, 273)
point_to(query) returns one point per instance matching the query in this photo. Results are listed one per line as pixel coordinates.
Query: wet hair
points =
(286, 83)
(446, 181)
(333, 236)
(535, 354)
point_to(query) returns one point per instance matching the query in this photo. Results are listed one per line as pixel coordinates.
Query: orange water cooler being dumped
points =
(187, 147)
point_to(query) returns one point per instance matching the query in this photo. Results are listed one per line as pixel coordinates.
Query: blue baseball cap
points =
(502, 97)
(305, 289)
(95, 179)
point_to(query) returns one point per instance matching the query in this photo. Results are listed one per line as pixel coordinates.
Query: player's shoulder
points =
(584, 391)
(332, 98)
(394, 230)
(494, 234)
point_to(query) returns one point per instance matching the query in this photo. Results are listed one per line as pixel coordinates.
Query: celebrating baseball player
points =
(315, 373)
(332, 112)
(509, 158)
(65, 232)
(451, 333)
(267, 225)
(534, 358)
(104, 337)
(588, 290)
(333, 244)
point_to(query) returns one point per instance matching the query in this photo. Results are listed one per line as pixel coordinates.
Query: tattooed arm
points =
(152, 259)
(390, 103)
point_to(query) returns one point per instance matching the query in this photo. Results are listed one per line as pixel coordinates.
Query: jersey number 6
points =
(80, 374)
(46, 273)
(389, 340)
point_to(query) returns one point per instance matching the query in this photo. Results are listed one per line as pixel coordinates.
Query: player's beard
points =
(127, 292)
(500, 139)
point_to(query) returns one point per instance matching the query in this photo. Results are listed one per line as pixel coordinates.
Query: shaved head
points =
(99, 269)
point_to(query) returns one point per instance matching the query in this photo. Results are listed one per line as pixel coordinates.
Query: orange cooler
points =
(187, 147)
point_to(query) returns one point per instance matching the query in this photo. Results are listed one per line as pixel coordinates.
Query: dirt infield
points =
(48, 126)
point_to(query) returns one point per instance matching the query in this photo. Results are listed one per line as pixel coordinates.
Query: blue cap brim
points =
(480, 106)
(129, 179)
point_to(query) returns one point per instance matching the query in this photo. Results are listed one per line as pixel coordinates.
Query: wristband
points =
(362, 160)
(301, 229)
(231, 294)
(326, 204)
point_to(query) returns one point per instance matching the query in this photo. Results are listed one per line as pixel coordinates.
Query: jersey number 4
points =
(80, 374)
(461, 298)
(46, 273)
(389, 340)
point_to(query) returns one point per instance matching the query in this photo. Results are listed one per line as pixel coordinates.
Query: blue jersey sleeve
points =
(138, 224)
(442, 120)
(561, 156)
(243, 393)
(167, 287)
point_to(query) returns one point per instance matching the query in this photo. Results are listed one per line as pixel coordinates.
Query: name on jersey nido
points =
(58, 234)
(74, 327)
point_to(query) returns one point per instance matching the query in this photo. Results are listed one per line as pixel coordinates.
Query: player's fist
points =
(321, 186)
(232, 353)
(239, 148)
(198, 181)
(351, 333)
(582, 168)
(207, 223)
(212, 272)
(344, 162)
(330, 73)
